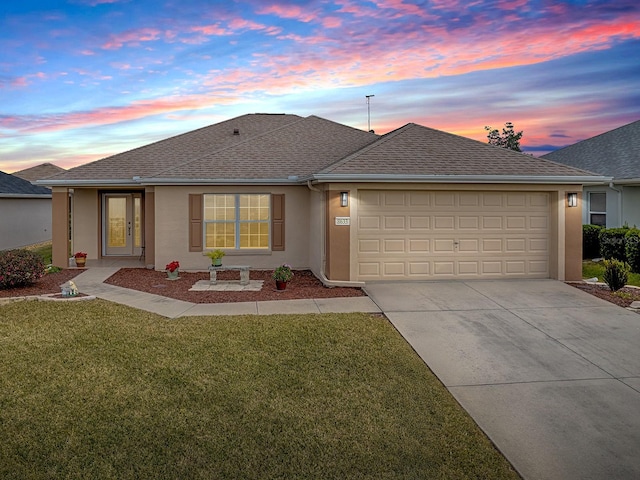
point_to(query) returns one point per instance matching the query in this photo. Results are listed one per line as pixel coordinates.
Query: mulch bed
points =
(623, 297)
(304, 285)
(49, 283)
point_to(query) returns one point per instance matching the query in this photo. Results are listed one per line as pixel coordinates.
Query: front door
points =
(122, 224)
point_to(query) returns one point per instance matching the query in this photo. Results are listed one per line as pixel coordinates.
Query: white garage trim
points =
(420, 235)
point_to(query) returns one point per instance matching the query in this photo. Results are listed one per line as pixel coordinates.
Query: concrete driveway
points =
(550, 373)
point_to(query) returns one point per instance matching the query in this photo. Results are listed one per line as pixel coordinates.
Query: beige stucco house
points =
(350, 205)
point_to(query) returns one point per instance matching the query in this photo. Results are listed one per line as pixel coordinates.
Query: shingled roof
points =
(12, 186)
(293, 151)
(44, 170)
(268, 148)
(421, 152)
(615, 153)
(149, 160)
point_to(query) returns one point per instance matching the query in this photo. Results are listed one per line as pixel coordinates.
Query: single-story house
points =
(25, 212)
(352, 206)
(614, 154)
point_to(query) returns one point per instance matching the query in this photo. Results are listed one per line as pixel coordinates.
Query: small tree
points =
(508, 139)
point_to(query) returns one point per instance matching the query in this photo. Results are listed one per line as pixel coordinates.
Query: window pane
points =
(254, 207)
(219, 207)
(598, 219)
(598, 202)
(254, 235)
(220, 235)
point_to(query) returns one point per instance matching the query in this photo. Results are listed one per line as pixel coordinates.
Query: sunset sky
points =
(84, 79)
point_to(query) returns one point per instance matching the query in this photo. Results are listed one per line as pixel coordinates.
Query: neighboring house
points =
(44, 170)
(25, 212)
(613, 154)
(350, 205)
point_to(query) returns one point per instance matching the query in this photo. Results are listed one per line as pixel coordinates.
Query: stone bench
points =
(243, 269)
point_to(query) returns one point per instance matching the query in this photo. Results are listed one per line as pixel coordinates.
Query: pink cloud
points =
(111, 115)
(132, 37)
(289, 11)
(331, 22)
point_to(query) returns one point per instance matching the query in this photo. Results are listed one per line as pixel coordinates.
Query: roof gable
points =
(615, 153)
(149, 160)
(422, 151)
(293, 151)
(44, 170)
(12, 185)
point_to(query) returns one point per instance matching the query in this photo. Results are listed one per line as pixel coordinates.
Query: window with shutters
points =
(237, 221)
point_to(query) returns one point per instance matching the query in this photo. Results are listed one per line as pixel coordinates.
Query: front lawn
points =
(99, 390)
(596, 269)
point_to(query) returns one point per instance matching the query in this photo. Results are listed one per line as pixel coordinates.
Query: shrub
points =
(632, 249)
(19, 268)
(612, 243)
(591, 241)
(616, 274)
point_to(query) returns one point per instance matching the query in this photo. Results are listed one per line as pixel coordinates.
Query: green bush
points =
(19, 268)
(632, 249)
(616, 274)
(591, 241)
(612, 245)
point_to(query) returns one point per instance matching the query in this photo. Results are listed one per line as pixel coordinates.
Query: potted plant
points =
(81, 259)
(172, 269)
(282, 275)
(215, 256)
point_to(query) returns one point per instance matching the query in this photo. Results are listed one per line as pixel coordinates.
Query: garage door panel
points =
(419, 222)
(394, 223)
(426, 235)
(394, 246)
(367, 222)
(418, 245)
(444, 223)
(468, 223)
(394, 199)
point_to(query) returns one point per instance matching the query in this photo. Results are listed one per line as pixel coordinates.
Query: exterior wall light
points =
(344, 199)
(572, 199)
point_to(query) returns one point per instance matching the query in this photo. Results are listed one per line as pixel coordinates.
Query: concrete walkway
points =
(550, 373)
(91, 283)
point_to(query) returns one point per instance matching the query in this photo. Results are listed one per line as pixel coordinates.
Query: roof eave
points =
(123, 182)
(25, 195)
(293, 180)
(524, 179)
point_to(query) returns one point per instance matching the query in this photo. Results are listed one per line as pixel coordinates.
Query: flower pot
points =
(81, 261)
(281, 285)
(216, 262)
(172, 275)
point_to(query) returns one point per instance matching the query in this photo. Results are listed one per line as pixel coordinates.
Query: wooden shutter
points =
(195, 222)
(277, 222)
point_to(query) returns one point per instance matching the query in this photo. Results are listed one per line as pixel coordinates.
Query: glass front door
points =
(122, 224)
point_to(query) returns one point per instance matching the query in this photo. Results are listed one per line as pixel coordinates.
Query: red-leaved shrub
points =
(19, 268)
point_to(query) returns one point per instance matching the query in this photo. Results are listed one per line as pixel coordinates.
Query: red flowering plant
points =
(172, 266)
(80, 255)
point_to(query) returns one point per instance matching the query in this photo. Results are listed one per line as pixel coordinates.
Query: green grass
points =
(596, 269)
(44, 250)
(99, 390)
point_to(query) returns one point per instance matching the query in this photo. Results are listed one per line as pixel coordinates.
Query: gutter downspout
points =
(619, 192)
(322, 277)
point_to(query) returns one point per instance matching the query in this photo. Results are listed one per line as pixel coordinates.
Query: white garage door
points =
(432, 235)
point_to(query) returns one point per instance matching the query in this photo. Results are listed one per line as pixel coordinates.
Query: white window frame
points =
(597, 212)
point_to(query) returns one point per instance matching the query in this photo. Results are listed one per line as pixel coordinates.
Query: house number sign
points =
(343, 220)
